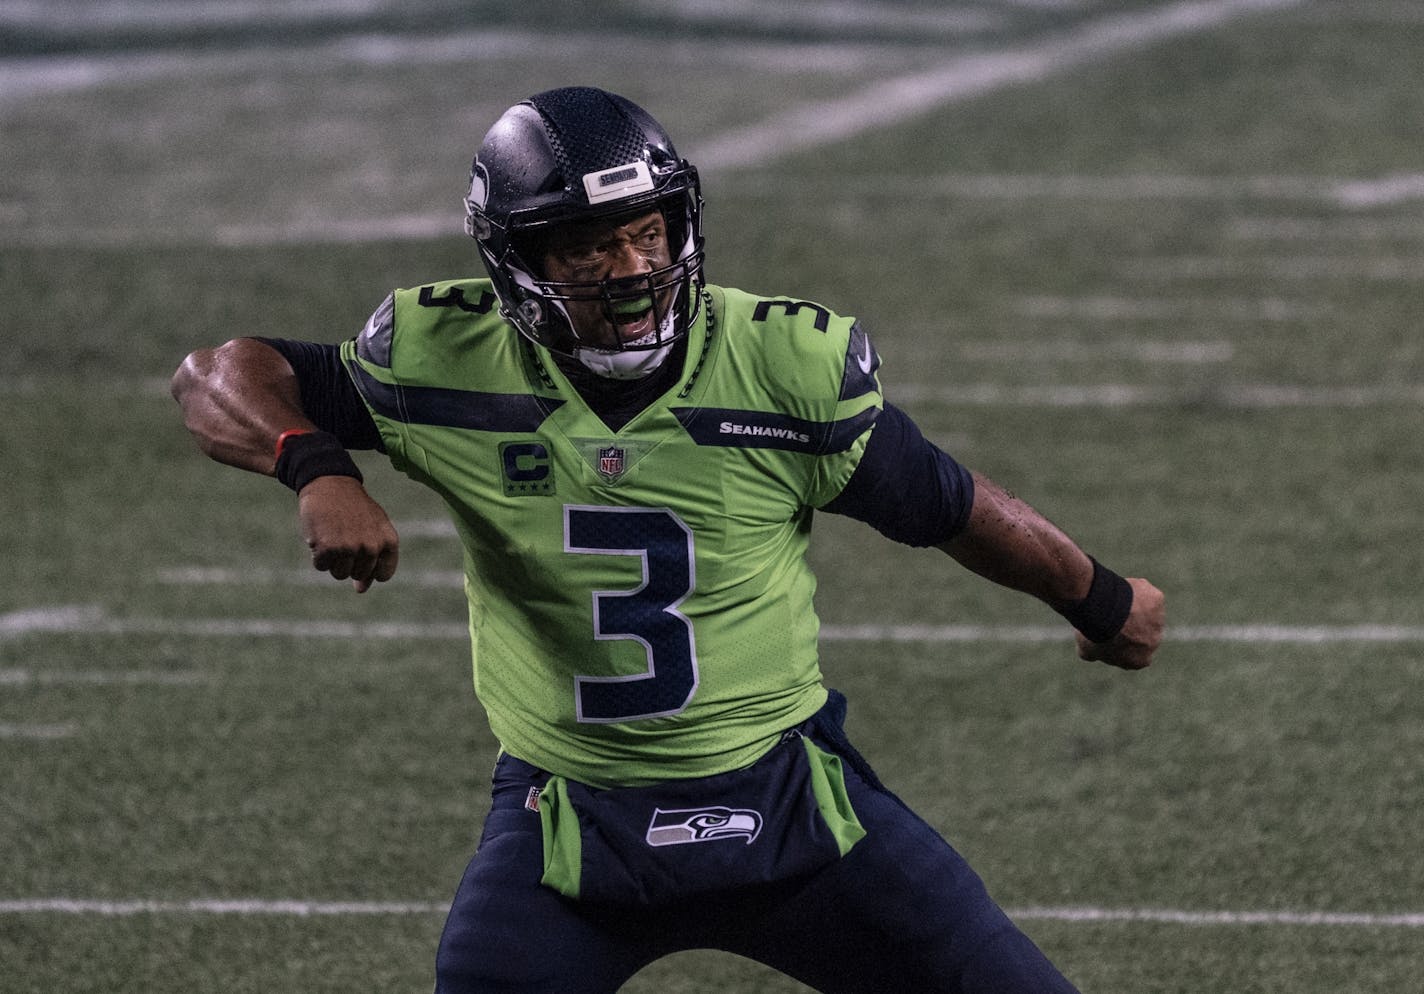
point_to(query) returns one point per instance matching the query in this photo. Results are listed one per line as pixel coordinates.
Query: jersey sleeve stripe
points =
(448, 408)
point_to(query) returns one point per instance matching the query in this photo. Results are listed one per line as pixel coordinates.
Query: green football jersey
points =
(640, 603)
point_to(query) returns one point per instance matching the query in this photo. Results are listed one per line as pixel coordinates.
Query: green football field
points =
(1155, 266)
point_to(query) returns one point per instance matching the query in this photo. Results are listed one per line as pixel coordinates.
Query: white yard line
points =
(1066, 350)
(342, 231)
(283, 628)
(17, 677)
(62, 618)
(426, 528)
(38, 76)
(39, 732)
(218, 906)
(835, 14)
(1106, 308)
(161, 14)
(1049, 4)
(209, 576)
(92, 620)
(1342, 192)
(1084, 915)
(29, 77)
(897, 100)
(1177, 916)
(1251, 634)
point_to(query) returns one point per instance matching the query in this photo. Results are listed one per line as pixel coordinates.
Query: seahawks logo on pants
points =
(683, 825)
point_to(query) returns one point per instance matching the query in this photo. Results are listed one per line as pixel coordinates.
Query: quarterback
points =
(632, 458)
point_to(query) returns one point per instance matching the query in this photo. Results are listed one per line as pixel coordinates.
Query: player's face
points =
(612, 250)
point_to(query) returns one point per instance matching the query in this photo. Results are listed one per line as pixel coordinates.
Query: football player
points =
(632, 458)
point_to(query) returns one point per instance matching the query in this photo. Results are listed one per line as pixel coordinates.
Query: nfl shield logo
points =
(610, 462)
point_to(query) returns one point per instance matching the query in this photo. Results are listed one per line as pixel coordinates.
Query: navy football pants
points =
(902, 911)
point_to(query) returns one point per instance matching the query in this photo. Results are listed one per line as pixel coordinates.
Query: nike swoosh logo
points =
(863, 360)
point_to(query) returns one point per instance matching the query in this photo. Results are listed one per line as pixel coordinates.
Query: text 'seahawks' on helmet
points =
(579, 154)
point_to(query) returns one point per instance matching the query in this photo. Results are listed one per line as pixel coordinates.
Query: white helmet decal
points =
(476, 224)
(618, 182)
(479, 187)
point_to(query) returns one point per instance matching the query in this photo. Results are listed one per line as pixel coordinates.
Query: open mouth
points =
(635, 318)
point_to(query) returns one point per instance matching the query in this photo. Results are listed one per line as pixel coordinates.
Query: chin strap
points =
(627, 365)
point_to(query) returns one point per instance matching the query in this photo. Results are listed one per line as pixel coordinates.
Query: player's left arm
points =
(1118, 621)
(914, 493)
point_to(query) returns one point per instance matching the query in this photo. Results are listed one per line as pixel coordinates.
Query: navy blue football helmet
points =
(579, 154)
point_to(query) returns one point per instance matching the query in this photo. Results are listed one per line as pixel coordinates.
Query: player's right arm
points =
(237, 401)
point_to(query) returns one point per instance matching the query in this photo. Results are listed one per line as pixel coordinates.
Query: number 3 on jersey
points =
(648, 614)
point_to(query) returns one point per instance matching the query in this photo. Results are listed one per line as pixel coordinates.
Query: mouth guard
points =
(632, 308)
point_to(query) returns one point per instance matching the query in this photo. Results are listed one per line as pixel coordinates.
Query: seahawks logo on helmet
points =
(476, 223)
(684, 825)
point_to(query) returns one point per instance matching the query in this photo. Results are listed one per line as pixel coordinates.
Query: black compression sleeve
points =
(905, 487)
(329, 397)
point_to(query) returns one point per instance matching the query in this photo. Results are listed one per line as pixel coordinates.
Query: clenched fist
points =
(1133, 647)
(349, 534)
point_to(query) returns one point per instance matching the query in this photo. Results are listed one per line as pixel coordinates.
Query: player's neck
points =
(616, 402)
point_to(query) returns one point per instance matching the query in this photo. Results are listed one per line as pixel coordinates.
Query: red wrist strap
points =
(290, 433)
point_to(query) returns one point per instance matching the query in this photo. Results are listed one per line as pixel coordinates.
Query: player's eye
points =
(583, 259)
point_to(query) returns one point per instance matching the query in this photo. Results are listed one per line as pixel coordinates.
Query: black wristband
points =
(1101, 614)
(306, 456)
